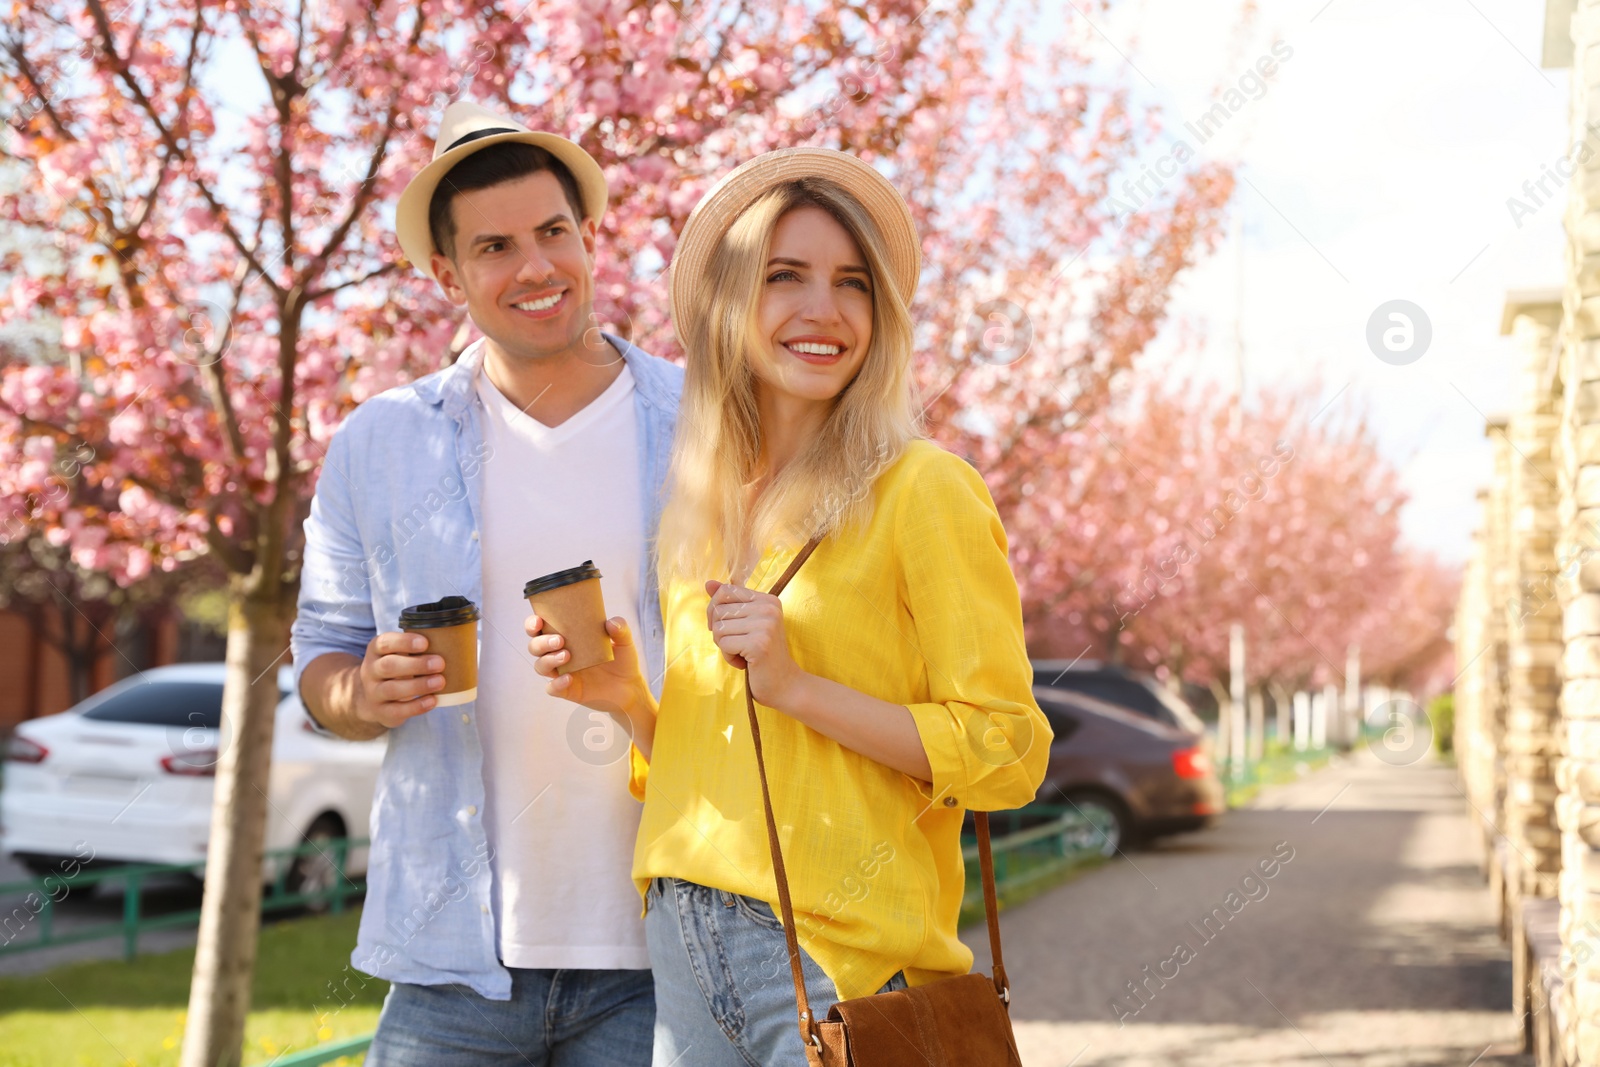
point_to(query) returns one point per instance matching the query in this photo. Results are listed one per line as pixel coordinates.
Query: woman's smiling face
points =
(815, 311)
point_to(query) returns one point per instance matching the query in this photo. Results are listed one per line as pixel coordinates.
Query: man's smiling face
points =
(522, 264)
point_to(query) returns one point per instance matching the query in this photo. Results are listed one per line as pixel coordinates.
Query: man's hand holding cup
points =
(398, 680)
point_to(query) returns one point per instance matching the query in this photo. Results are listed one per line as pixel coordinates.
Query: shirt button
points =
(466, 718)
(472, 809)
(484, 908)
(949, 802)
(474, 535)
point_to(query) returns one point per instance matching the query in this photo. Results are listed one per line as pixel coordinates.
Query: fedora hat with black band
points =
(466, 128)
(749, 181)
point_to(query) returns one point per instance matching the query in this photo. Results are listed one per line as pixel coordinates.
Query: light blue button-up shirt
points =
(396, 521)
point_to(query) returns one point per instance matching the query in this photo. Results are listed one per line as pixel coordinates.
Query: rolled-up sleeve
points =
(335, 609)
(984, 735)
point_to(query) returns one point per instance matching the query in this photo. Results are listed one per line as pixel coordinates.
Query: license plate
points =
(101, 785)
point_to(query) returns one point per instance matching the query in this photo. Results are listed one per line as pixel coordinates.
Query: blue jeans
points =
(724, 994)
(568, 1018)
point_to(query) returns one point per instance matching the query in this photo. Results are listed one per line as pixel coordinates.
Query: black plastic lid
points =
(570, 576)
(451, 611)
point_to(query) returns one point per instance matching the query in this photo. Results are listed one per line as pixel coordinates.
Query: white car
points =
(128, 775)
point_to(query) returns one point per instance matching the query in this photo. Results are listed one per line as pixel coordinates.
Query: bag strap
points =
(991, 907)
(808, 1031)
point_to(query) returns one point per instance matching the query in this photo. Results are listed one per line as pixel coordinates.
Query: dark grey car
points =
(1132, 775)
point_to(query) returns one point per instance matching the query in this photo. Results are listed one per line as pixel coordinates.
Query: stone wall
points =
(1528, 652)
(1578, 466)
(1533, 635)
(1533, 610)
(1495, 655)
(1474, 744)
(1528, 625)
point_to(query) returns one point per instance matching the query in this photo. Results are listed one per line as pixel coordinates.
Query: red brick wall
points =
(16, 664)
(34, 680)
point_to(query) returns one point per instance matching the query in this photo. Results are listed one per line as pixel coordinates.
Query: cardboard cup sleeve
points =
(570, 604)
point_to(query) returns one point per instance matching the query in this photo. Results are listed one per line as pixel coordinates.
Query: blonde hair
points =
(828, 485)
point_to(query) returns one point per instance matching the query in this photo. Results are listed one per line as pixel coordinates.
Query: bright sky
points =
(1378, 163)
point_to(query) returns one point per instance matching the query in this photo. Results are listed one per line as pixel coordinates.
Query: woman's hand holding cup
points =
(616, 686)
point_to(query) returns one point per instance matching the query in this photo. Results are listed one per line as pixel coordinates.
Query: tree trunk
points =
(79, 654)
(1224, 700)
(35, 661)
(230, 913)
(1281, 705)
(1255, 703)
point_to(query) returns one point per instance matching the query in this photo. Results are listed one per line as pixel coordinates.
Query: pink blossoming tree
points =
(1171, 523)
(215, 182)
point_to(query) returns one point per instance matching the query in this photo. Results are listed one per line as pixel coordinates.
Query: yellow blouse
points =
(919, 609)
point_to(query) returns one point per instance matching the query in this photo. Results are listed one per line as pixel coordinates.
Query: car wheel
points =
(1095, 823)
(316, 872)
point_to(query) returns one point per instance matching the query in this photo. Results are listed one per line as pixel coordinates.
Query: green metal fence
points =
(333, 1050)
(30, 925)
(1034, 848)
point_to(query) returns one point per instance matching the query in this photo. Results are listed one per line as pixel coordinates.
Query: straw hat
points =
(464, 129)
(729, 198)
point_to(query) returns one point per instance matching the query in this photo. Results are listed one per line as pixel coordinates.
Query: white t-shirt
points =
(557, 811)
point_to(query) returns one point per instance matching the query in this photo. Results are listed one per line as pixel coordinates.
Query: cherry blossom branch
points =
(101, 212)
(124, 72)
(182, 125)
(376, 272)
(193, 471)
(29, 424)
(225, 550)
(232, 556)
(217, 385)
(13, 48)
(283, 91)
(299, 38)
(364, 191)
(335, 54)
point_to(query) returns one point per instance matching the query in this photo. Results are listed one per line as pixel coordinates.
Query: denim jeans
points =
(724, 995)
(568, 1018)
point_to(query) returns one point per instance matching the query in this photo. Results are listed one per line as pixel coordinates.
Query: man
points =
(500, 903)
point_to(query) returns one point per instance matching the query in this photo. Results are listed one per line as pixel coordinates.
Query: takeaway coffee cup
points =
(569, 602)
(451, 627)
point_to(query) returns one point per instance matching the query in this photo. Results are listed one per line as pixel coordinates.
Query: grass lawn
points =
(120, 1014)
(1282, 764)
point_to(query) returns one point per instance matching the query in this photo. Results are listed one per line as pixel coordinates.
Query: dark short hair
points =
(499, 163)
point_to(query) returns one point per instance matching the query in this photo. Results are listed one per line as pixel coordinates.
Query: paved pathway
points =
(1373, 945)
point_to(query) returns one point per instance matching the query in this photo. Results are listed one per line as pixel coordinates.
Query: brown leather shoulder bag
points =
(953, 1022)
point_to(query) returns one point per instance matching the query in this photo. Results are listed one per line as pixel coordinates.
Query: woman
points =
(894, 686)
